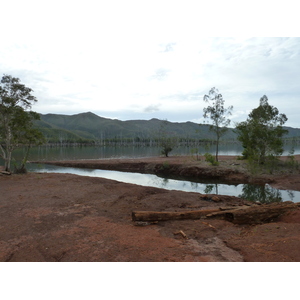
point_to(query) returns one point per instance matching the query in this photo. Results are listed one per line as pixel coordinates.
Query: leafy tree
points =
(16, 126)
(261, 134)
(218, 114)
(209, 158)
(166, 142)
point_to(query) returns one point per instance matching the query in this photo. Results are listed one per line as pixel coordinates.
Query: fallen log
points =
(171, 215)
(256, 214)
(5, 173)
(239, 215)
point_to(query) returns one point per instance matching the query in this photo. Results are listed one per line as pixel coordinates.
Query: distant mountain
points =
(85, 127)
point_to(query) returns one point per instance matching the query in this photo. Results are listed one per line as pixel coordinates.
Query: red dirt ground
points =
(63, 217)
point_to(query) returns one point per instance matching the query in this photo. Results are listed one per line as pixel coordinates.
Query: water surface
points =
(261, 193)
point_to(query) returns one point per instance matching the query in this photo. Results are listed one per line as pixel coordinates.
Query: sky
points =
(131, 60)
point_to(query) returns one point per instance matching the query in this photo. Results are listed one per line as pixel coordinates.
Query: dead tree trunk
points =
(256, 214)
(240, 215)
(170, 215)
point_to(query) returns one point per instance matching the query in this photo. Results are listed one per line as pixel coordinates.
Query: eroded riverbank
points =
(230, 169)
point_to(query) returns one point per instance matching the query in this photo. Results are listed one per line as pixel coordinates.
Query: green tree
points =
(16, 120)
(261, 134)
(166, 141)
(218, 114)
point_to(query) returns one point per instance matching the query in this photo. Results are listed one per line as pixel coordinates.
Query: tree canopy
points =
(261, 134)
(16, 126)
(217, 113)
(166, 142)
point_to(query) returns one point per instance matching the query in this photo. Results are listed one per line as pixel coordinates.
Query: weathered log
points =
(256, 214)
(240, 215)
(171, 215)
(5, 173)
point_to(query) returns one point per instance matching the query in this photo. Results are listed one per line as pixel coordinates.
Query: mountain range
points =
(87, 127)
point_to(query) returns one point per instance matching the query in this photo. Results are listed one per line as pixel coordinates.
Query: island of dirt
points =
(63, 217)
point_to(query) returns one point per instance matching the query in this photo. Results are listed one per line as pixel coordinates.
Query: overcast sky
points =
(153, 59)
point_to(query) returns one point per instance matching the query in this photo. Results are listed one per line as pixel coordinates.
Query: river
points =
(260, 193)
(252, 192)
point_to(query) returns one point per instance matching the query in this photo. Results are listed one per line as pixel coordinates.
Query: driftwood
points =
(5, 173)
(141, 223)
(171, 215)
(209, 225)
(256, 214)
(182, 233)
(240, 215)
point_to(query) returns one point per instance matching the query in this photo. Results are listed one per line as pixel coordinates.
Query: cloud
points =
(169, 47)
(152, 108)
(160, 74)
(188, 96)
(128, 64)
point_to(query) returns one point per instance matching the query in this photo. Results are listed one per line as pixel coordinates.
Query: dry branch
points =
(182, 233)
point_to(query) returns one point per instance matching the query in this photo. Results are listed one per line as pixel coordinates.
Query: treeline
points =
(143, 142)
(261, 134)
(129, 142)
(90, 129)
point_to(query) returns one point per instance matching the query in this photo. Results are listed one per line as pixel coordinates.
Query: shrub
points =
(211, 159)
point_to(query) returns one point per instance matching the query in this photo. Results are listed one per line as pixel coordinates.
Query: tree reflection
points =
(291, 195)
(262, 194)
(160, 182)
(164, 182)
(193, 185)
(210, 187)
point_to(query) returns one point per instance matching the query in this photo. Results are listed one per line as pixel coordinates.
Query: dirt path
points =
(63, 217)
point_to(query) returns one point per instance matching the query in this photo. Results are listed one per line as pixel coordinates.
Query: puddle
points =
(261, 193)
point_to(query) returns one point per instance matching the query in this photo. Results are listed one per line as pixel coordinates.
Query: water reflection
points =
(104, 152)
(255, 193)
(211, 189)
(263, 194)
(291, 195)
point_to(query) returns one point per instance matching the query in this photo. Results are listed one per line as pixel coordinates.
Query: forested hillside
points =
(88, 127)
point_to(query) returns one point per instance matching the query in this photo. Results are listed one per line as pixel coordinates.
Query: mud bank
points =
(230, 169)
(176, 166)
